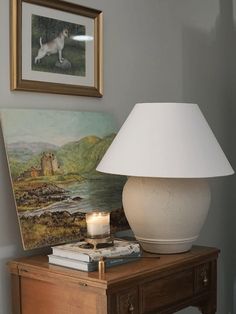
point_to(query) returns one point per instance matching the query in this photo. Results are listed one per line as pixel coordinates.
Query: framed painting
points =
(52, 158)
(56, 47)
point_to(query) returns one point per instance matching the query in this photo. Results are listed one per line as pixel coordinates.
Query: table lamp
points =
(168, 151)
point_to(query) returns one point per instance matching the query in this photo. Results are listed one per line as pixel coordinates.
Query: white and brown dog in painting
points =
(54, 46)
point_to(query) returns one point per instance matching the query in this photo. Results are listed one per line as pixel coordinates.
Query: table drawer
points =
(158, 293)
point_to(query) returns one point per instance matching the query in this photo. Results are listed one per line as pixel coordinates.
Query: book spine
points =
(62, 261)
(73, 255)
(91, 266)
(120, 261)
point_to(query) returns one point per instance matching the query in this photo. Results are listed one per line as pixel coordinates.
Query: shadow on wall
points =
(8, 235)
(209, 73)
(10, 243)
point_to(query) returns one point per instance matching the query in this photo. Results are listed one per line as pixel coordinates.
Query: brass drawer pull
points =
(205, 279)
(131, 308)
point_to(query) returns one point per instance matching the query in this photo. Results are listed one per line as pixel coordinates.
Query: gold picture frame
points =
(41, 32)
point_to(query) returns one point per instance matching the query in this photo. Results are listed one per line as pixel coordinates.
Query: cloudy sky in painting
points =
(55, 127)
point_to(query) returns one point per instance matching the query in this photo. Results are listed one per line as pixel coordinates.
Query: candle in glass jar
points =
(98, 224)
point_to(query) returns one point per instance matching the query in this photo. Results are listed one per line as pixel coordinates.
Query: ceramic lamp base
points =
(166, 215)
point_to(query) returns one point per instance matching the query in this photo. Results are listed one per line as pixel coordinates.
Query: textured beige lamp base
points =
(166, 215)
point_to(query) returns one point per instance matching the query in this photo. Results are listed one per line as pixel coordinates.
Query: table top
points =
(147, 265)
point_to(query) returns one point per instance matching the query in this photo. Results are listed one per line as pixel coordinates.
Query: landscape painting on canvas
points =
(52, 158)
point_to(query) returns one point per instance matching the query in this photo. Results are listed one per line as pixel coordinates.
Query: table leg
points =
(208, 308)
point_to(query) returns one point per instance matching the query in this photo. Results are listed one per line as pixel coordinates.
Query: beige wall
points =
(155, 50)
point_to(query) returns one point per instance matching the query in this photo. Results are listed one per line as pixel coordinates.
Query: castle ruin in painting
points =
(49, 167)
(49, 164)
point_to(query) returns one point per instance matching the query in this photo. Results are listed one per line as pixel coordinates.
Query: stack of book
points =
(74, 256)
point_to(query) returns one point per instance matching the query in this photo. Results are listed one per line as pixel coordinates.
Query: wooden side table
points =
(161, 286)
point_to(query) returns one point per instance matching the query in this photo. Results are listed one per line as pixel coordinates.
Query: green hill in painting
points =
(83, 156)
(78, 157)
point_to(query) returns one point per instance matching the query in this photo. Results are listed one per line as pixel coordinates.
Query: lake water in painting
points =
(102, 194)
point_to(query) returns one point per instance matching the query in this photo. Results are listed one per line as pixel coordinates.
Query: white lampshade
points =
(166, 140)
(167, 150)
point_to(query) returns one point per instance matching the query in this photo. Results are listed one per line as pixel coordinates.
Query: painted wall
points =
(156, 50)
(232, 70)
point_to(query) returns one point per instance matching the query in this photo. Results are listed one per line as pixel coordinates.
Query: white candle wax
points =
(98, 224)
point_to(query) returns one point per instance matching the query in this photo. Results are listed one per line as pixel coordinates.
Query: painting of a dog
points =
(54, 46)
(54, 49)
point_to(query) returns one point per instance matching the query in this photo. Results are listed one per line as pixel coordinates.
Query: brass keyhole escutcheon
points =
(131, 308)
